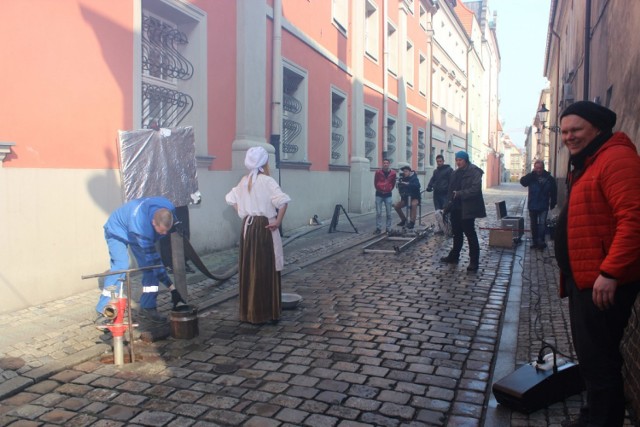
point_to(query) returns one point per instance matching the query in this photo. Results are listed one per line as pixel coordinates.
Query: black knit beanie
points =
(599, 116)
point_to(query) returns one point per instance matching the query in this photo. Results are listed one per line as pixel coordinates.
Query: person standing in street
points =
(597, 248)
(543, 192)
(409, 188)
(261, 205)
(465, 204)
(439, 183)
(384, 180)
(138, 225)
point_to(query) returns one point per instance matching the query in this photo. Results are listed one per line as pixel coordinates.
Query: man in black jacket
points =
(543, 193)
(465, 205)
(439, 183)
(409, 187)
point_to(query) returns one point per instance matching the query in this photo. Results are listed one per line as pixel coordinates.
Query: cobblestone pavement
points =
(378, 339)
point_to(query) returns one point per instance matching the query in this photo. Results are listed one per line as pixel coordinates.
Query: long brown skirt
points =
(259, 280)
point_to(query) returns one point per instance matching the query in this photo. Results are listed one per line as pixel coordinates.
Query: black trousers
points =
(596, 338)
(466, 227)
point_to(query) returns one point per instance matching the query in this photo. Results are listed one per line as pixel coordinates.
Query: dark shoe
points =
(152, 315)
(377, 231)
(472, 267)
(102, 323)
(411, 225)
(573, 423)
(449, 259)
(388, 230)
(402, 223)
(542, 246)
(534, 246)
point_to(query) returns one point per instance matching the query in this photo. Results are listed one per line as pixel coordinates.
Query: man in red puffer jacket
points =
(597, 247)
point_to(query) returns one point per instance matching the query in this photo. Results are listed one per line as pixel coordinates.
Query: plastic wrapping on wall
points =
(159, 163)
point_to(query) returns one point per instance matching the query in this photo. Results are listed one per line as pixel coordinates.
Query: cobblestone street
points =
(378, 339)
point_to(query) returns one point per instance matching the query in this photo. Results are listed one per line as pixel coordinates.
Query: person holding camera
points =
(409, 187)
(465, 205)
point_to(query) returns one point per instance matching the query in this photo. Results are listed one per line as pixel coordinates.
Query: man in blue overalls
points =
(138, 225)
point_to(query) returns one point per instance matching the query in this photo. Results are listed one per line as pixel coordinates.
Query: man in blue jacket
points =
(138, 225)
(543, 194)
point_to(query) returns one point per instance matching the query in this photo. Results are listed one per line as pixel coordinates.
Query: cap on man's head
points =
(405, 168)
(599, 116)
(462, 155)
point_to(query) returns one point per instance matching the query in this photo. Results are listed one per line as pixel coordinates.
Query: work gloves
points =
(176, 298)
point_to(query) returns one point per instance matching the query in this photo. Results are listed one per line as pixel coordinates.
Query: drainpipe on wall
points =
(385, 84)
(587, 49)
(276, 82)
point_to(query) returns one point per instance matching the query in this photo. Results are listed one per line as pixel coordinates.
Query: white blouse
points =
(263, 200)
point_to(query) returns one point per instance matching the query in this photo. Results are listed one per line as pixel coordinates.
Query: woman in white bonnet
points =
(256, 199)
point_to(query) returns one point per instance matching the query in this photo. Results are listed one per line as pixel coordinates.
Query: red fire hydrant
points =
(115, 310)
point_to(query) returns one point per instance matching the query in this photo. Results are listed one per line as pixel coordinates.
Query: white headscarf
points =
(254, 160)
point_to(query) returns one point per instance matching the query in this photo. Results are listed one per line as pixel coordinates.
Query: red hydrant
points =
(115, 310)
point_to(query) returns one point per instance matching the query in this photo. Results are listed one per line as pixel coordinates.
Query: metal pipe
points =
(587, 49)
(118, 354)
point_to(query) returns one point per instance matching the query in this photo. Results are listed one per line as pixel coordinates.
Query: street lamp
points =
(543, 115)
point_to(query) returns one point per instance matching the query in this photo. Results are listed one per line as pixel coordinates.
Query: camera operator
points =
(409, 187)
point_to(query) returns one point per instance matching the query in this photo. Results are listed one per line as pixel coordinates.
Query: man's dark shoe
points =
(542, 246)
(573, 423)
(449, 260)
(152, 315)
(534, 246)
(402, 223)
(102, 322)
(411, 225)
(377, 231)
(472, 267)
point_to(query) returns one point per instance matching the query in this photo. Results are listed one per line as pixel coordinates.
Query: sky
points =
(522, 37)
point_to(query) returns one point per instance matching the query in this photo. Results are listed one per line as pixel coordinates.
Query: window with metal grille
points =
(391, 140)
(164, 68)
(421, 149)
(294, 105)
(371, 136)
(409, 144)
(338, 128)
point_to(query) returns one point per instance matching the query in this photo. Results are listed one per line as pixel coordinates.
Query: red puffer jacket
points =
(603, 227)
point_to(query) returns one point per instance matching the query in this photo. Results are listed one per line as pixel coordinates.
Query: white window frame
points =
(392, 43)
(423, 17)
(409, 69)
(371, 30)
(340, 14)
(422, 73)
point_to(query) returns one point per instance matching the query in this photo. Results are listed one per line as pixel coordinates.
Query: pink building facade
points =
(330, 88)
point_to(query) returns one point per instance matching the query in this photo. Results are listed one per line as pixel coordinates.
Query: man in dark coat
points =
(439, 183)
(543, 193)
(465, 205)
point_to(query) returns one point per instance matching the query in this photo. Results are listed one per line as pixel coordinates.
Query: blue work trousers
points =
(119, 254)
